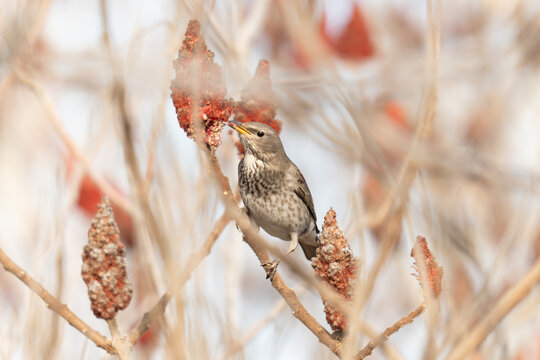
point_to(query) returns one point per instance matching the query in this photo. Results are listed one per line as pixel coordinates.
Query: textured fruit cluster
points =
(104, 265)
(336, 265)
(198, 93)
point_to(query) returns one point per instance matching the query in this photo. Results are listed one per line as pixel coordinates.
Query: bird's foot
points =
(337, 335)
(270, 268)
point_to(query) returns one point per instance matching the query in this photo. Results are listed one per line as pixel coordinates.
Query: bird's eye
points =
(260, 134)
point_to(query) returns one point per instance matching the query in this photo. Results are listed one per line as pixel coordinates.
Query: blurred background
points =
(408, 118)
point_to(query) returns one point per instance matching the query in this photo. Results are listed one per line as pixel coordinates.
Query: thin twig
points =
(250, 334)
(73, 149)
(55, 305)
(194, 260)
(52, 347)
(368, 349)
(138, 181)
(505, 304)
(122, 346)
(387, 349)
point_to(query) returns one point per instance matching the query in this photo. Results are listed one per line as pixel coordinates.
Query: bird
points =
(273, 189)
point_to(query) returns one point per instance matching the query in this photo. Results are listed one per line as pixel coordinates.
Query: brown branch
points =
(122, 346)
(55, 305)
(368, 349)
(260, 247)
(223, 180)
(52, 347)
(503, 306)
(194, 260)
(298, 310)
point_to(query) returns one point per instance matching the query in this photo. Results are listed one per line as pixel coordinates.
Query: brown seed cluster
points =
(425, 262)
(199, 86)
(336, 265)
(104, 265)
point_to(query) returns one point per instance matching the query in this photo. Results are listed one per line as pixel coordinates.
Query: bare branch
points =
(122, 346)
(55, 305)
(194, 261)
(368, 349)
(298, 310)
(505, 304)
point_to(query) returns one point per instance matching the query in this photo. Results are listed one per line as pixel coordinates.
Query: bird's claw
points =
(270, 268)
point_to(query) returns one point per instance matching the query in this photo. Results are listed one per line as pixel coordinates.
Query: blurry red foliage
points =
(149, 338)
(396, 113)
(354, 43)
(199, 85)
(89, 196)
(396, 117)
(462, 286)
(88, 199)
(373, 192)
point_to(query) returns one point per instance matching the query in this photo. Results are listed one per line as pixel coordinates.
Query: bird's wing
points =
(241, 180)
(301, 189)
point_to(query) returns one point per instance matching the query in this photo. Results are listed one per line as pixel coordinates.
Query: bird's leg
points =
(294, 242)
(271, 267)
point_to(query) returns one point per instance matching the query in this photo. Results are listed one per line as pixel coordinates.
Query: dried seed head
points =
(428, 272)
(258, 103)
(104, 265)
(199, 85)
(336, 265)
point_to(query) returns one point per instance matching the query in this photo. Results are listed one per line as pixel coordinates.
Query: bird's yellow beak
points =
(238, 127)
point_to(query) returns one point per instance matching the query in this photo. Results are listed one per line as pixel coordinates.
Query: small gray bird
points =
(273, 190)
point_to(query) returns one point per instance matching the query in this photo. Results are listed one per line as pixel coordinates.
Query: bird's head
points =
(260, 140)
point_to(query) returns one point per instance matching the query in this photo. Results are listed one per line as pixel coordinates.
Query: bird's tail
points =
(309, 250)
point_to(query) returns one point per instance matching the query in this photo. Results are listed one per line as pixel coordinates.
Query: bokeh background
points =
(367, 91)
